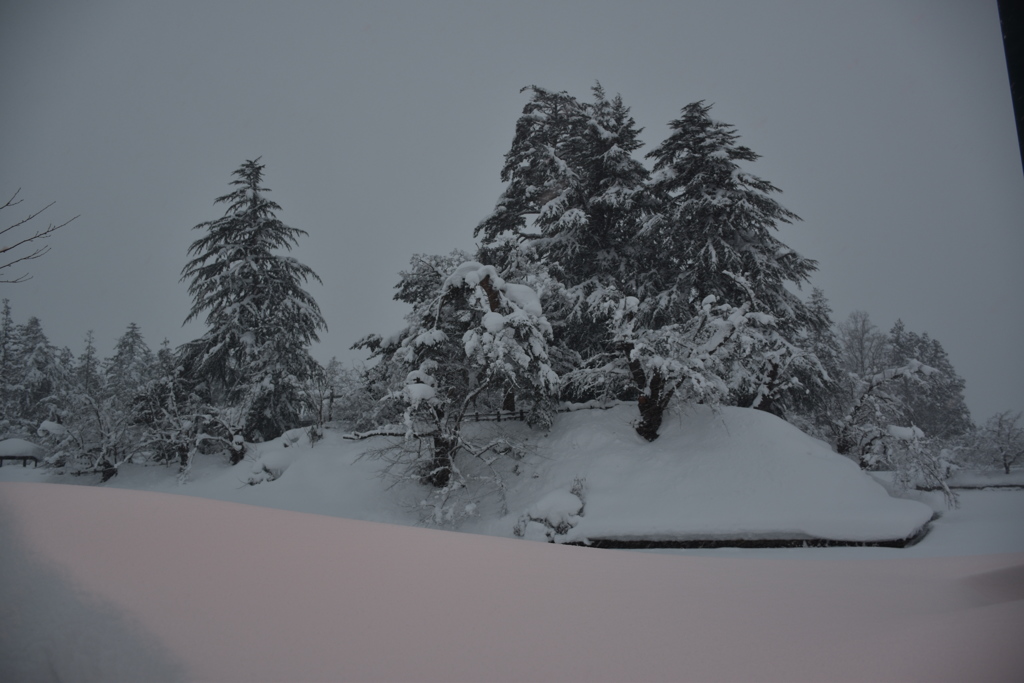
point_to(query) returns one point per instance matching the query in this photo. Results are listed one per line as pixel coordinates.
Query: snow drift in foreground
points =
(106, 584)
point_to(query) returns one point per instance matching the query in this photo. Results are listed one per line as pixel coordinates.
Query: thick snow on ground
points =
(726, 474)
(729, 473)
(982, 479)
(101, 584)
(757, 472)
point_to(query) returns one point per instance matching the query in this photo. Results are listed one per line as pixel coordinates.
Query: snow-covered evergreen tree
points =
(577, 202)
(40, 373)
(573, 202)
(130, 368)
(254, 356)
(99, 429)
(938, 406)
(87, 376)
(10, 372)
(716, 222)
(688, 361)
(821, 397)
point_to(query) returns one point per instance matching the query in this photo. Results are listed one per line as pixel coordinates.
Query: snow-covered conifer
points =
(131, 366)
(87, 376)
(822, 395)
(938, 406)
(10, 372)
(574, 201)
(261, 321)
(688, 361)
(718, 221)
(40, 372)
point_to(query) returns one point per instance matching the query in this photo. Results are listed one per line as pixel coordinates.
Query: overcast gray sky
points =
(383, 125)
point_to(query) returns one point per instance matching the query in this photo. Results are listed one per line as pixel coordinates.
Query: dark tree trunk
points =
(651, 415)
(652, 407)
(767, 404)
(508, 403)
(439, 471)
(237, 448)
(651, 402)
(844, 442)
(492, 295)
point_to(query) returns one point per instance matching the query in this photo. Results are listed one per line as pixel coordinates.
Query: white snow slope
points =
(728, 474)
(100, 584)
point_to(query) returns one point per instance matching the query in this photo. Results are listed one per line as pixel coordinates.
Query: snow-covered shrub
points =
(473, 340)
(271, 464)
(553, 515)
(916, 462)
(477, 474)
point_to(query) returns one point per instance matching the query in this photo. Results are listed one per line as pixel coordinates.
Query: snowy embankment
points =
(102, 584)
(727, 474)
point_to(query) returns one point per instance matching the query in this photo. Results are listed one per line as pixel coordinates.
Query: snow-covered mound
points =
(101, 584)
(731, 474)
(725, 475)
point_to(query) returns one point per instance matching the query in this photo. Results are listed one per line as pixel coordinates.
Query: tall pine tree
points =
(130, 368)
(715, 233)
(261, 321)
(572, 205)
(937, 406)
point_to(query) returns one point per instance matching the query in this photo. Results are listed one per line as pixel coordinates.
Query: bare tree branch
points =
(37, 251)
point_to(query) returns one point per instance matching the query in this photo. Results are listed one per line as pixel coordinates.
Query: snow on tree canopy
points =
(524, 297)
(430, 337)
(905, 433)
(417, 393)
(493, 322)
(420, 377)
(472, 274)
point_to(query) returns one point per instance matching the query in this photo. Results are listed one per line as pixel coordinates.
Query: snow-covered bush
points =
(473, 341)
(918, 462)
(97, 435)
(272, 461)
(553, 515)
